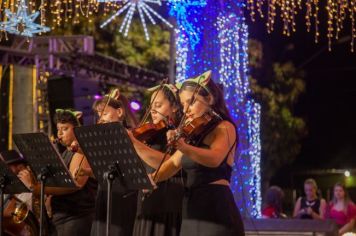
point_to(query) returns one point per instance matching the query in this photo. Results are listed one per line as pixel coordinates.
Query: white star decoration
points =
(143, 9)
(21, 23)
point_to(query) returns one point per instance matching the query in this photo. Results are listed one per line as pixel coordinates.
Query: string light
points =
(224, 51)
(178, 9)
(338, 12)
(233, 36)
(144, 10)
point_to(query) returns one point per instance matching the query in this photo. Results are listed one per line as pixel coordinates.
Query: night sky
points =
(329, 103)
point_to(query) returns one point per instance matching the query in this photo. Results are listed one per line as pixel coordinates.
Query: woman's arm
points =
(296, 211)
(222, 139)
(322, 211)
(27, 179)
(149, 155)
(169, 167)
(79, 161)
(348, 227)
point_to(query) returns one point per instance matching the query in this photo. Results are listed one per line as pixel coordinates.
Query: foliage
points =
(281, 129)
(133, 50)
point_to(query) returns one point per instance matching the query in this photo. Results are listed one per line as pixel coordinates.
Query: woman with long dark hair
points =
(273, 203)
(160, 212)
(208, 207)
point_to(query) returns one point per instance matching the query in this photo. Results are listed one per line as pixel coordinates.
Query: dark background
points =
(329, 102)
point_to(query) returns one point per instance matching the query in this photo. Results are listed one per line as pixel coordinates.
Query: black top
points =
(159, 143)
(77, 203)
(168, 196)
(315, 205)
(198, 175)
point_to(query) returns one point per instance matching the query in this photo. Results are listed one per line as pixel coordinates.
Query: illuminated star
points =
(20, 23)
(143, 9)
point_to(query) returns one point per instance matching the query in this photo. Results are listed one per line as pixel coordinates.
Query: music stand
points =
(45, 162)
(111, 156)
(9, 184)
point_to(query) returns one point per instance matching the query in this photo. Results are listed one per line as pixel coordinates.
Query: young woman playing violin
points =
(160, 212)
(72, 209)
(207, 158)
(114, 109)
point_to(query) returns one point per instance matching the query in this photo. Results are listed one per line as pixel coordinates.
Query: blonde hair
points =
(311, 182)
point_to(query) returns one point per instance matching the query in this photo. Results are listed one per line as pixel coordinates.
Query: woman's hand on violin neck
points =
(181, 145)
(130, 134)
(171, 135)
(134, 140)
(175, 141)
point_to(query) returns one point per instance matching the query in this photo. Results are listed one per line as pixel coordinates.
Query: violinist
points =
(207, 157)
(72, 209)
(160, 212)
(114, 108)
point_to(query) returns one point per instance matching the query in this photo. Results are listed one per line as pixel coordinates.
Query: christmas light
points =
(178, 9)
(222, 48)
(144, 10)
(20, 23)
(338, 13)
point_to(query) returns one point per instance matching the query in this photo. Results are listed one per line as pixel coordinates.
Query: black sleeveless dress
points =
(122, 214)
(209, 209)
(73, 213)
(123, 211)
(315, 205)
(160, 213)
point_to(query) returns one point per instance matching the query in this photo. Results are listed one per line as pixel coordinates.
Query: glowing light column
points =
(212, 35)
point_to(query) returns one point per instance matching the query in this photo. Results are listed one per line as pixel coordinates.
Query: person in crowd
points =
(342, 210)
(273, 203)
(311, 206)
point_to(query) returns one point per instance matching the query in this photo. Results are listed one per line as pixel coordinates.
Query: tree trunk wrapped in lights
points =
(212, 35)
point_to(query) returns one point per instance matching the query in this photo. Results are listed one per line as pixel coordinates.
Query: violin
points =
(55, 140)
(148, 130)
(196, 128)
(74, 147)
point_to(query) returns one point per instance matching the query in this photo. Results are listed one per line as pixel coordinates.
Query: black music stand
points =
(112, 156)
(45, 162)
(9, 184)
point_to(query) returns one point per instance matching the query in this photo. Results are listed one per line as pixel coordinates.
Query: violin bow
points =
(163, 82)
(111, 94)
